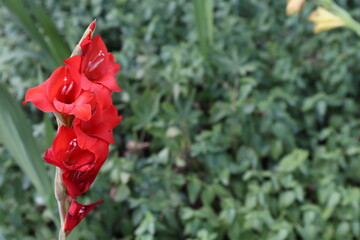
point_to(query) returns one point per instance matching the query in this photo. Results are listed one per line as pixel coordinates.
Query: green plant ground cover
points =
(238, 122)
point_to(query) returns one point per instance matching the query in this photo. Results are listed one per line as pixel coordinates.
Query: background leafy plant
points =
(257, 139)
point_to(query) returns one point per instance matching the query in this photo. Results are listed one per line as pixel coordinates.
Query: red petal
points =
(82, 111)
(101, 151)
(66, 154)
(104, 129)
(63, 107)
(63, 88)
(110, 116)
(51, 159)
(109, 81)
(57, 153)
(103, 96)
(55, 82)
(95, 60)
(74, 61)
(104, 132)
(85, 141)
(99, 126)
(86, 84)
(115, 67)
(38, 97)
(98, 65)
(78, 182)
(82, 161)
(76, 213)
(80, 108)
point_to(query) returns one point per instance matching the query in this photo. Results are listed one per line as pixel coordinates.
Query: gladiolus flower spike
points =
(79, 94)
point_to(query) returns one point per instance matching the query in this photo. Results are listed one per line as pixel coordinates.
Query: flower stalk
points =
(63, 201)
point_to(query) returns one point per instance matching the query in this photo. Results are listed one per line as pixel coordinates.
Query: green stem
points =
(62, 235)
(63, 201)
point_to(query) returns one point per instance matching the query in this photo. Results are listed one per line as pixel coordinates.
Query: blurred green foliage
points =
(256, 139)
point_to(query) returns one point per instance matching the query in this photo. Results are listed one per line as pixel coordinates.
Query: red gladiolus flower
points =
(81, 164)
(62, 93)
(103, 95)
(76, 213)
(99, 127)
(66, 154)
(97, 64)
(79, 182)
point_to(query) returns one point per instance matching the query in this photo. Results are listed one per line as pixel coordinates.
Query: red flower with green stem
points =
(79, 94)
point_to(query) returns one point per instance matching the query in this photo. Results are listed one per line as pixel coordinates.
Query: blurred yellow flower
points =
(294, 6)
(324, 20)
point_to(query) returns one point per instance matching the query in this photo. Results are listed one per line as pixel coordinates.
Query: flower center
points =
(96, 62)
(65, 93)
(72, 146)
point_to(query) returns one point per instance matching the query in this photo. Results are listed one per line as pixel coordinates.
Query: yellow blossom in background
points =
(294, 6)
(324, 20)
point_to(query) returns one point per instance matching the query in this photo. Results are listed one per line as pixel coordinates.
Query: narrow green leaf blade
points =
(40, 27)
(19, 10)
(49, 131)
(16, 135)
(57, 45)
(203, 14)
